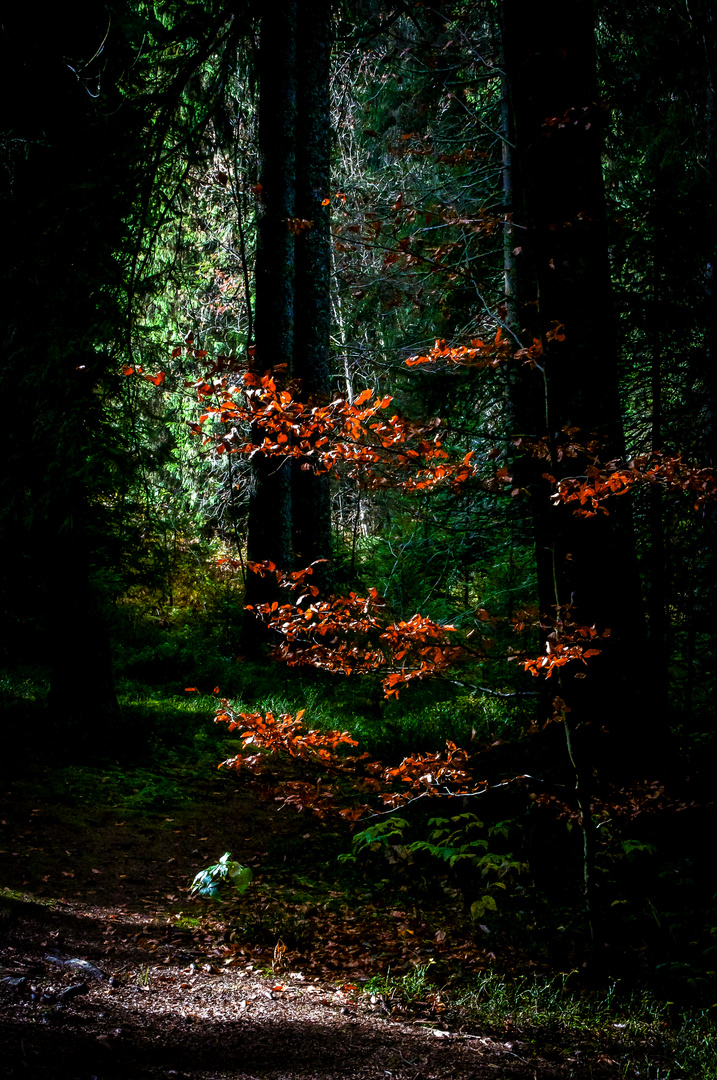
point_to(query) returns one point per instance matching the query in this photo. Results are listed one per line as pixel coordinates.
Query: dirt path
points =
(80, 1000)
(107, 972)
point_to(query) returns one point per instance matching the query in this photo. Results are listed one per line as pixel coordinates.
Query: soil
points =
(108, 970)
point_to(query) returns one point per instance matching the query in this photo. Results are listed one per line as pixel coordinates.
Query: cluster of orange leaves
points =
(477, 354)
(265, 737)
(578, 644)
(359, 434)
(565, 640)
(669, 471)
(622, 807)
(480, 355)
(407, 455)
(352, 634)
(297, 226)
(600, 482)
(137, 369)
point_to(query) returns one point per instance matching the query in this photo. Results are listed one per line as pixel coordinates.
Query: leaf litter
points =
(120, 974)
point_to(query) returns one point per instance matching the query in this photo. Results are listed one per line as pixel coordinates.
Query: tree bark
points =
(710, 426)
(311, 496)
(710, 44)
(587, 567)
(589, 564)
(657, 594)
(67, 185)
(269, 525)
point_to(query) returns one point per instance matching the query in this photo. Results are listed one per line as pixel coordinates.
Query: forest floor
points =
(109, 970)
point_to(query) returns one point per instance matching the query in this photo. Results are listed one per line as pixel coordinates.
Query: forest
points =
(358, 511)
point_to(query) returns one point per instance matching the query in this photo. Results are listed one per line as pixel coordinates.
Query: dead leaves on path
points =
(337, 938)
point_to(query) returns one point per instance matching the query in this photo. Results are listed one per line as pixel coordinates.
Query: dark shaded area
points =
(228, 190)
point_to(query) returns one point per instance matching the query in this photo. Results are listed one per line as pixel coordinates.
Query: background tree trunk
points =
(269, 526)
(311, 496)
(658, 623)
(589, 564)
(67, 186)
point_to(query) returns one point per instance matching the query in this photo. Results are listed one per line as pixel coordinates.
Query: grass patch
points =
(641, 1034)
(136, 791)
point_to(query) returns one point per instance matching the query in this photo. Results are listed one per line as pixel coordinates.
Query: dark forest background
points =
(208, 190)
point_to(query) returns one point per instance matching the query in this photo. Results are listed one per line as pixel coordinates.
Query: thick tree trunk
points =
(591, 564)
(311, 497)
(657, 585)
(710, 379)
(64, 227)
(587, 568)
(82, 701)
(556, 189)
(710, 42)
(269, 527)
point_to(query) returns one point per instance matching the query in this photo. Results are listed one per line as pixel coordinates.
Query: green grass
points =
(117, 789)
(646, 1036)
(156, 660)
(201, 649)
(411, 988)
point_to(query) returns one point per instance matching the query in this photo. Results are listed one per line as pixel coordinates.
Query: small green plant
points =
(457, 842)
(214, 881)
(383, 834)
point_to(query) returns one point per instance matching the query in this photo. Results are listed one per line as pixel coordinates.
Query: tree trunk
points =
(657, 592)
(710, 426)
(269, 526)
(311, 497)
(710, 43)
(82, 701)
(587, 567)
(589, 564)
(67, 186)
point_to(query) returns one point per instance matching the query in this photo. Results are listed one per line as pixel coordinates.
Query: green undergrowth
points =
(160, 728)
(171, 673)
(114, 788)
(642, 1034)
(170, 670)
(11, 899)
(424, 718)
(201, 648)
